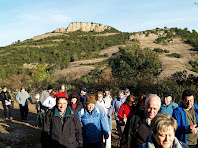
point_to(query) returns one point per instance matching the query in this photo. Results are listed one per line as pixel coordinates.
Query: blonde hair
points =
(162, 121)
(100, 93)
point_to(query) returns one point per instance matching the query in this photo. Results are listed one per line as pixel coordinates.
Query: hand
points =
(125, 120)
(80, 144)
(107, 136)
(193, 129)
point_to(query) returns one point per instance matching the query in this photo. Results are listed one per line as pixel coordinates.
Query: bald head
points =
(152, 105)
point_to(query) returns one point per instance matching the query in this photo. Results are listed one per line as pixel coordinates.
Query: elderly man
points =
(167, 104)
(187, 118)
(61, 127)
(137, 128)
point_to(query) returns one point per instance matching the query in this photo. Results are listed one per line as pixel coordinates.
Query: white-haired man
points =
(137, 128)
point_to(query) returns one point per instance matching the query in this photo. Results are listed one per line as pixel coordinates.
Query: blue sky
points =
(24, 19)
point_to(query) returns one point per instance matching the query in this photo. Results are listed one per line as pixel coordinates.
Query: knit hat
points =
(60, 95)
(49, 87)
(167, 94)
(91, 99)
(83, 89)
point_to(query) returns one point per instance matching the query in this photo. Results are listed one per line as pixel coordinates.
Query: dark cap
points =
(83, 89)
(49, 87)
(167, 94)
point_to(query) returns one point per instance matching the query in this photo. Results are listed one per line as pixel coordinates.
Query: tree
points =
(132, 63)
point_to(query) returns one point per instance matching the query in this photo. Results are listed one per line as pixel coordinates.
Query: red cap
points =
(61, 95)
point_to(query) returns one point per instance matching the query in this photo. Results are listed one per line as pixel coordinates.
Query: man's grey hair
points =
(151, 96)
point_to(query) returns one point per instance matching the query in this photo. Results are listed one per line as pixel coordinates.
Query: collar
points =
(67, 112)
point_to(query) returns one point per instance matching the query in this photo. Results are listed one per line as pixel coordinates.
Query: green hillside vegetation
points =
(132, 67)
(74, 47)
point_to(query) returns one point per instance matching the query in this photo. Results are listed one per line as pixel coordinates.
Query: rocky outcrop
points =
(86, 27)
(143, 35)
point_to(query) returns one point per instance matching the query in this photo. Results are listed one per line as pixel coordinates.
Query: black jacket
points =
(136, 130)
(61, 132)
(4, 96)
(78, 107)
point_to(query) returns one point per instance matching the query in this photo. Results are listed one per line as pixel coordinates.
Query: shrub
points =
(175, 55)
(194, 65)
(159, 50)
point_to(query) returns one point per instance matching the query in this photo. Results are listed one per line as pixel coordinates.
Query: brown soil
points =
(170, 64)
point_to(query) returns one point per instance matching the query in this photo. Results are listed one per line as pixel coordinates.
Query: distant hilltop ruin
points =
(86, 27)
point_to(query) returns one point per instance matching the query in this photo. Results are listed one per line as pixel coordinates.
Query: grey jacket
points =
(21, 98)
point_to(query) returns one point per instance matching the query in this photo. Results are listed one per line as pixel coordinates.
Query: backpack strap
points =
(82, 111)
(173, 106)
(98, 111)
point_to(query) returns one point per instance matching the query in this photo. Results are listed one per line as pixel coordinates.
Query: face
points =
(50, 90)
(131, 103)
(188, 102)
(82, 92)
(90, 107)
(106, 93)
(62, 105)
(73, 100)
(100, 96)
(62, 87)
(152, 107)
(22, 90)
(167, 100)
(166, 137)
(5, 89)
(120, 95)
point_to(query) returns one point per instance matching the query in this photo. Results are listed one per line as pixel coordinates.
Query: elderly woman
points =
(93, 123)
(163, 128)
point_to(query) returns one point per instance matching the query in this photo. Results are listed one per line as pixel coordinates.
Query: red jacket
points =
(126, 110)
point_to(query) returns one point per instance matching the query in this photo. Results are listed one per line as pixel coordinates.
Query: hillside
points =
(70, 53)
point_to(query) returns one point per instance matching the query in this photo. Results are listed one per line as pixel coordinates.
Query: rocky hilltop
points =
(86, 27)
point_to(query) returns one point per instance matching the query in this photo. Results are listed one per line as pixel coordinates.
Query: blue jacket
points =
(115, 104)
(180, 115)
(92, 125)
(168, 109)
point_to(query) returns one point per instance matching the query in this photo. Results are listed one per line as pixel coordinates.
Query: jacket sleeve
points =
(111, 108)
(120, 113)
(17, 98)
(78, 129)
(45, 133)
(46, 102)
(104, 125)
(9, 97)
(178, 117)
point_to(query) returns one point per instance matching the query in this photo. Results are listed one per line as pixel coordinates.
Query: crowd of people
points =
(80, 119)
